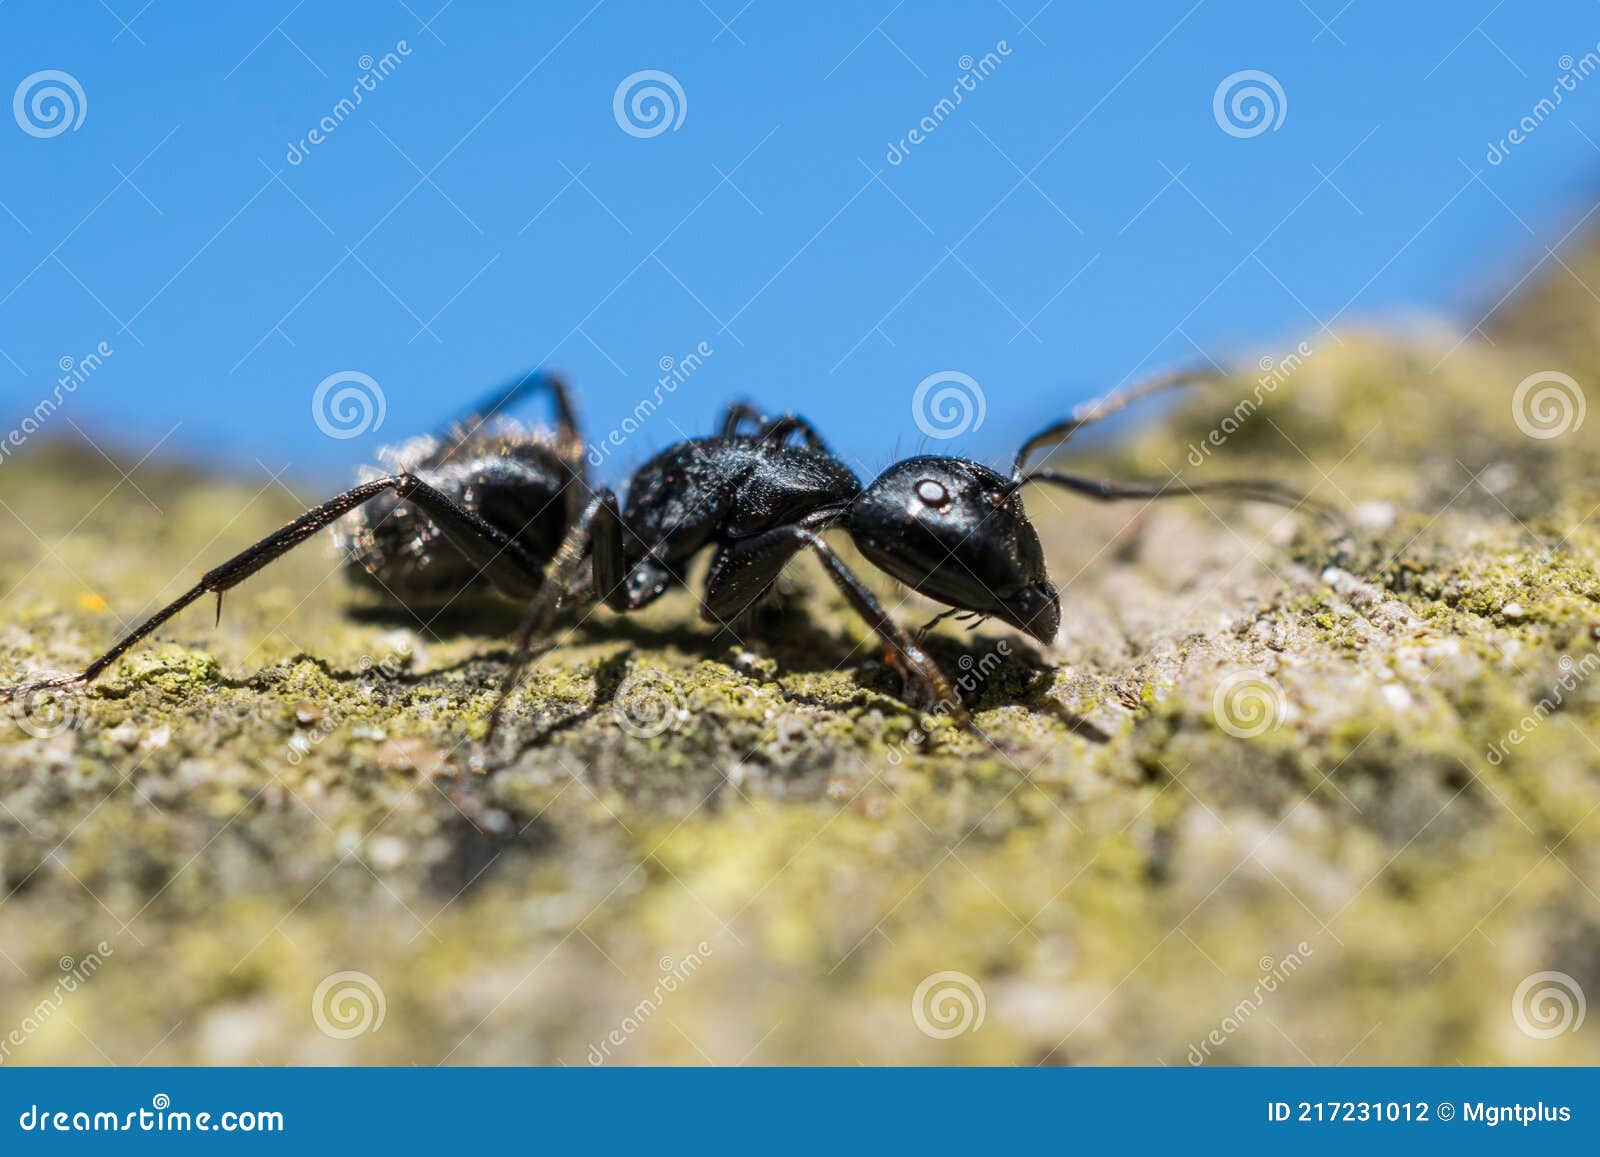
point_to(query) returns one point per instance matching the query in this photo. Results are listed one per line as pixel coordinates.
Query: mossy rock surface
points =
(1276, 795)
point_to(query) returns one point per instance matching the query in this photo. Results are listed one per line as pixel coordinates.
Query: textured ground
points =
(1265, 806)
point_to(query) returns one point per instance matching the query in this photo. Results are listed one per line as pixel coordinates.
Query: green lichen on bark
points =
(769, 869)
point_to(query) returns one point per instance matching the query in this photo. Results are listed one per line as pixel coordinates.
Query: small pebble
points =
(409, 753)
(386, 852)
(1375, 515)
(1397, 697)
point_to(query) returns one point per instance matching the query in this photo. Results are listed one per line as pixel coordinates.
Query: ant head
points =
(956, 531)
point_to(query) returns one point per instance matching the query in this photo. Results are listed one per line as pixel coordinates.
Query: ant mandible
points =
(480, 507)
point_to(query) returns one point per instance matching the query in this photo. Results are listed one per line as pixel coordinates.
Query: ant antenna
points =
(1058, 434)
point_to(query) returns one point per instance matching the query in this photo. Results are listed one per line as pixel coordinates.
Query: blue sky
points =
(1080, 218)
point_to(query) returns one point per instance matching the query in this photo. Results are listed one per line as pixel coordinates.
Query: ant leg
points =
(483, 544)
(1254, 489)
(568, 436)
(736, 415)
(1059, 433)
(922, 631)
(772, 429)
(597, 534)
(743, 570)
(780, 428)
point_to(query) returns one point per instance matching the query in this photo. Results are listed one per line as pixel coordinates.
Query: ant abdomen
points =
(512, 479)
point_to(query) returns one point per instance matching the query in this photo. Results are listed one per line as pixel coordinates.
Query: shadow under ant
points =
(461, 619)
(991, 672)
(987, 671)
(609, 675)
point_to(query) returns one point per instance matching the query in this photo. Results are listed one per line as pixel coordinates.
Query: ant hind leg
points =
(596, 535)
(482, 543)
(569, 437)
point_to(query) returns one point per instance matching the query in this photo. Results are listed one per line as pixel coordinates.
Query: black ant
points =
(949, 528)
(481, 507)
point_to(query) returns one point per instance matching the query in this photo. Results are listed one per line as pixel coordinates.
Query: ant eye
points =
(933, 493)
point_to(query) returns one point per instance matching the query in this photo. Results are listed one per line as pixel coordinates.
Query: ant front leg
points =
(744, 570)
(496, 554)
